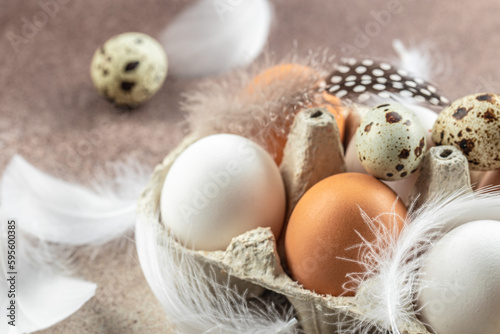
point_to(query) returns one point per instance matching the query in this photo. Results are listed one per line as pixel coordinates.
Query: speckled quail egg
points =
(390, 141)
(472, 124)
(402, 187)
(129, 69)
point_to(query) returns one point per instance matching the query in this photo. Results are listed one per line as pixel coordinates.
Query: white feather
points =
(388, 288)
(194, 301)
(422, 60)
(44, 295)
(213, 36)
(66, 213)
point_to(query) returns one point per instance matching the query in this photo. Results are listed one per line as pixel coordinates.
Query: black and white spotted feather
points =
(360, 79)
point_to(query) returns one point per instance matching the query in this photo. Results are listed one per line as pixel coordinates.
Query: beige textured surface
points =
(123, 303)
(50, 113)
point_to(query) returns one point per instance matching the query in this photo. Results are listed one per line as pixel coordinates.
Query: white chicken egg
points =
(462, 281)
(220, 187)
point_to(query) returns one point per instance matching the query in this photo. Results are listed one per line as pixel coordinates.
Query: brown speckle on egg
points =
(404, 174)
(404, 154)
(127, 86)
(418, 150)
(489, 116)
(393, 117)
(485, 97)
(407, 123)
(368, 127)
(131, 66)
(466, 145)
(461, 113)
(400, 167)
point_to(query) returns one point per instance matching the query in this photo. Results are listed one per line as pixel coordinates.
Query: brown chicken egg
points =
(270, 81)
(491, 178)
(324, 227)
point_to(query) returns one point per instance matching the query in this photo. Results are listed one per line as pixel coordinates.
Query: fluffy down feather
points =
(391, 283)
(45, 294)
(193, 299)
(260, 110)
(213, 36)
(61, 212)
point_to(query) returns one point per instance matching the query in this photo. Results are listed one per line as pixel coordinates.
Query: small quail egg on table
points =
(472, 124)
(390, 141)
(129, 69)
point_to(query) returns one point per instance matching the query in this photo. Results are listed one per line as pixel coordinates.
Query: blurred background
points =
(51, 114)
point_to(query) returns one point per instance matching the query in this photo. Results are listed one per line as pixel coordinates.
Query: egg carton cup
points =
(252, 263)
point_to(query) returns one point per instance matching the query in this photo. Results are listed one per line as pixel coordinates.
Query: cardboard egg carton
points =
(253, 261)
